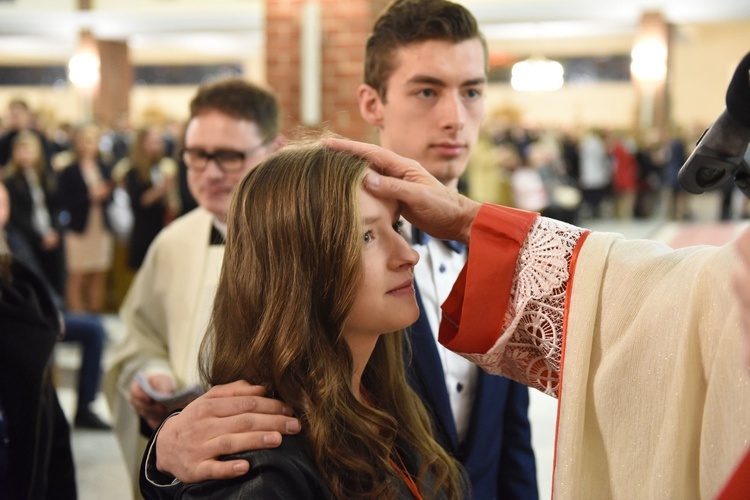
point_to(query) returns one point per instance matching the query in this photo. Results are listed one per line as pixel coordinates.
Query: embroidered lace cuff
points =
(530, 347)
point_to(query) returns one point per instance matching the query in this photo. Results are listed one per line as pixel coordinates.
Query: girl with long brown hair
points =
(316, 284)
(150, 184)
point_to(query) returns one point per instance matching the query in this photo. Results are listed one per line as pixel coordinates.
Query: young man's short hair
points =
(242, 100)
(411, 21)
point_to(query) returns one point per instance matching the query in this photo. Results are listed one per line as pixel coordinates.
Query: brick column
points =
(345, 25)
(113, 97)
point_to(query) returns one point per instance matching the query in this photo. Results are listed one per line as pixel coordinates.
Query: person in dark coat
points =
(151, 185)
(31, 188)
(36, 460)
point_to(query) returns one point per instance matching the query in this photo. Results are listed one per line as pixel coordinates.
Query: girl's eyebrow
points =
(371, 219)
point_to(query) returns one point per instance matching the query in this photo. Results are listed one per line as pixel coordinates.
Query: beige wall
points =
(610, 105)
(65, 105)
(704, 58)
(171, 102)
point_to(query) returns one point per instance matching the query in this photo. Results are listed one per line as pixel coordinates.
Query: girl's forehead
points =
(371, 205)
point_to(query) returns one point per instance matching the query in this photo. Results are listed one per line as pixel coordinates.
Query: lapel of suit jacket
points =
(426, 374)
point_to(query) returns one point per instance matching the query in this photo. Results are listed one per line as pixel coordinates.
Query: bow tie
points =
(419, 237)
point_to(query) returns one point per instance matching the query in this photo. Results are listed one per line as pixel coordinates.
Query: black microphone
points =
(719, 153)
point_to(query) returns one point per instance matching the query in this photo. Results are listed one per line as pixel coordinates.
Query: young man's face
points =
(434, 105)
(213, 132)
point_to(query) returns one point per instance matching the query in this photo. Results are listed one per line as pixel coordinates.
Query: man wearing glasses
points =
(233, 126)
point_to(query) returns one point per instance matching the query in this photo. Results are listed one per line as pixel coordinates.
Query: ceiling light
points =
(537, 74)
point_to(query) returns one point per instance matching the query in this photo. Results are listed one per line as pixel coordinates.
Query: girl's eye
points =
(398, 226)
(368, 237)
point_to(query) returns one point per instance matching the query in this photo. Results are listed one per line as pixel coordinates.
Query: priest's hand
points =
(425, 202)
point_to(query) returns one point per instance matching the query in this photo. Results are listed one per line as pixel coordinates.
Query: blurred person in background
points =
(563, 195)
(650, 159)
(31, 187)
(19, 119)
(675, 157)
(624, 175)
(528, 192)
(595, 176)
(84, 190)
(150, 182)
(115, 142)
(486, 179)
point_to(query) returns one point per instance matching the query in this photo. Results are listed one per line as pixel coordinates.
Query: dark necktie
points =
(419, 237)
(216, 238)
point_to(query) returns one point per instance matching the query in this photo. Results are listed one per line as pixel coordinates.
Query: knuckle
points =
(247, 423)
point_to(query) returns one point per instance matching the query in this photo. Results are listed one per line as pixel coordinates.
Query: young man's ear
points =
(278, 143)
(370, 105)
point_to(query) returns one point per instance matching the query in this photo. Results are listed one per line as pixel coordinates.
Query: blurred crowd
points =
(593, 174)
(90, 200)
(81, 206)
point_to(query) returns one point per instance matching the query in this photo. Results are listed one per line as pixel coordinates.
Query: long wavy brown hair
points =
(291, 268)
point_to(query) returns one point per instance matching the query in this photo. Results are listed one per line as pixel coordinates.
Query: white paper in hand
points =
(171, 399)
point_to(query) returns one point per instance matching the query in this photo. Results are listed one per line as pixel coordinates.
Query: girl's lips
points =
(406, 288)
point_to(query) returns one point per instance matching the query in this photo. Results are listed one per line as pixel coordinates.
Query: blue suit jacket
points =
(497, 451)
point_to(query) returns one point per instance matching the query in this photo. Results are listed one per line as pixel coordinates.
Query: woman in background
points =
(150, 183)
(31, 188)
(327, 282)
(84, 189)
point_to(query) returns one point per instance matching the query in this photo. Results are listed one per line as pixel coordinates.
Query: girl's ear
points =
(370, 105)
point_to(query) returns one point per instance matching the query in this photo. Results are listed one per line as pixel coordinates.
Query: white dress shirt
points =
(437, 270)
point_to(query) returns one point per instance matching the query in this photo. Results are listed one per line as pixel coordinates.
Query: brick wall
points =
(345, 25)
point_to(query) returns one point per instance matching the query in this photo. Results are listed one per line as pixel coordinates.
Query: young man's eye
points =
(426, 93)
(398, 226)
(229, 156)
(368, 237)
(473, 93)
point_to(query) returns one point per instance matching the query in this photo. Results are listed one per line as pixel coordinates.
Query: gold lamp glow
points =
(537, 74)
(649, 61)
(83, 70)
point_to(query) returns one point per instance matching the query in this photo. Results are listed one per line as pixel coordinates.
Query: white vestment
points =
(165, 313)
(640, 342)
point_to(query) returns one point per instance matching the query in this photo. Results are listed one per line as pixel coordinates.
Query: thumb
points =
(384, 186)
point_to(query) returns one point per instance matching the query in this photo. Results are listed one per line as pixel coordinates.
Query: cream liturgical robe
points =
(641, 343)
(166, 313)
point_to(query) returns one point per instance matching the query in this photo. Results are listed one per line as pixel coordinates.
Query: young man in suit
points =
(425, 77)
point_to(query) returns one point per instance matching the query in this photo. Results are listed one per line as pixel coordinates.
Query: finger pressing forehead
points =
(383, 160)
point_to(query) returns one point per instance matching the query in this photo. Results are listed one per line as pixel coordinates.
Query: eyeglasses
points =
(228, 160)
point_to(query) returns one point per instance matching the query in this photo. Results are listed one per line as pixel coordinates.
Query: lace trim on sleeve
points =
(530, 347)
